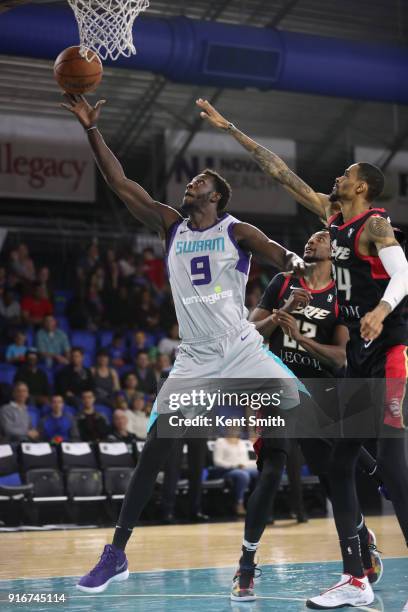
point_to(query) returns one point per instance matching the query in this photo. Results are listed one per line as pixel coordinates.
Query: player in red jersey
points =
(372, 284)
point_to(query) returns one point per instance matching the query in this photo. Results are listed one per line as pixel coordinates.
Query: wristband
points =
(93, 127)
(230, 127)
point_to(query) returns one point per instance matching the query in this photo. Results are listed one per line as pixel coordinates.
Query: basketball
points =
(76, 75)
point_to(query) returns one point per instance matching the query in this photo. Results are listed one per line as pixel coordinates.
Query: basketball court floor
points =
(189, 567)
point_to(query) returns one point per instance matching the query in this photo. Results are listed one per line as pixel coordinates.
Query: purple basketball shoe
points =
(112, 567)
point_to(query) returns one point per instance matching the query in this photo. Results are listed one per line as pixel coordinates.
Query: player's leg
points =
(354, 587)
(318, 456)
(271, 461)
(393, 468)
(171, 477)
(113, 565)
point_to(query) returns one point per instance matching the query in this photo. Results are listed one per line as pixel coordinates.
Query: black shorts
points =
(300, 422)
(372, 397)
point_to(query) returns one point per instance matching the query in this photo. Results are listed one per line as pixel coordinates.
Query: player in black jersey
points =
(301, 321)
(372, 283)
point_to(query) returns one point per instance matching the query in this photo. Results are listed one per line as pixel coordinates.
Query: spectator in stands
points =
(137, 419)
(153, 268)
(94, 301)
(52, 343)
(74, 378)
(127, 266)
(170, 343)
(139, 342)
(87, 263)
(10, 310)
(146, 312)
(167, 311)
(105, 379)
(35, 379)
(253, 298)
(130, 387)
(16, 352)
(117, 350)
(120, 402)
(92, 426)
(15, 420)
(35, 307)
(145, 373)
(231, 460)
(21, 263)
(59, 425)
(120, 431)
(43, 279)
(111, 267)
(121, 309)
(139, 280)
(162, 367)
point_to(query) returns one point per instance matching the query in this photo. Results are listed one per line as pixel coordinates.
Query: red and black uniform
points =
(361, 282)
(317, 321)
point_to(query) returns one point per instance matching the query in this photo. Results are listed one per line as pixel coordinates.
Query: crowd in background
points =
(104, 389)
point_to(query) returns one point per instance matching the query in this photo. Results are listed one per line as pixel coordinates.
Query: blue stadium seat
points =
(34, 414)
(7, 373)
(63, 324)
(105, 411)
(87, 341)
(61, 299)
(105, 338)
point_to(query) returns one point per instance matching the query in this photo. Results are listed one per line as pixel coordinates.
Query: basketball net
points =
(106, 26)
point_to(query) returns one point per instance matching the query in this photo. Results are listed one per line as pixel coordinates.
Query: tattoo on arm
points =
(272, 164)
(378, 227)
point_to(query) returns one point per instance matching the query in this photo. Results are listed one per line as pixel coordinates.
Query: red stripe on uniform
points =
(377, 269)
(396, 380)
(284, 287)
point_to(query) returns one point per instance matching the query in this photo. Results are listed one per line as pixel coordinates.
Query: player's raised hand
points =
(211, 115)
(86, 114)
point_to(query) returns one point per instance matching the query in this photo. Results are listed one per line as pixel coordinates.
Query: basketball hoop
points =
(105, 26)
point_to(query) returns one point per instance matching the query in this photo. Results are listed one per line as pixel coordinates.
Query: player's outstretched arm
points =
(379, 233)
(251, 239)
(154, 215)
(270, 163)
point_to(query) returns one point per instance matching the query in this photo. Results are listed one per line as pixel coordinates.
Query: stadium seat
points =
(7, 373)
(40, 464)
(11, 485)
(105, 411)
(34, 415)
(61, 299)
(117, 463)
(87, 341)
(105, 337)
(63, 324)
(83, 479)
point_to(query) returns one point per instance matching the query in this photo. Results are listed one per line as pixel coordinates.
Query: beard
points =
(311, 258)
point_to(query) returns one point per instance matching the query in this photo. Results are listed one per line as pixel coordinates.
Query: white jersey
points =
(208, 272)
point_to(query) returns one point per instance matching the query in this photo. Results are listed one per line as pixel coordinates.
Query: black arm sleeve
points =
(270, 298)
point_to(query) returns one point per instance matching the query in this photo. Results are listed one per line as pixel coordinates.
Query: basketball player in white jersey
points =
(208, 257)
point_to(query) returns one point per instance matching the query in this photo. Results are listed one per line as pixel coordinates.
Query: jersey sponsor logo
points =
(350, 312)
(211, 298)
(197, 246)
(340, 252)
(312, 312)
(291, 358)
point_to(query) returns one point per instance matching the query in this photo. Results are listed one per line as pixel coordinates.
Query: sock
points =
(121, 537)
(350, 550)
(248, 553)
(363, 537)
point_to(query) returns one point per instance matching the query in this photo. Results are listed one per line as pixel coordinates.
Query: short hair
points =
(221, 186)
(374, 178)
(77, 349)
(102, 352)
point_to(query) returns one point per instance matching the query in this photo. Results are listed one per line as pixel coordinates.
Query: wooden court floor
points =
(74, 552)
